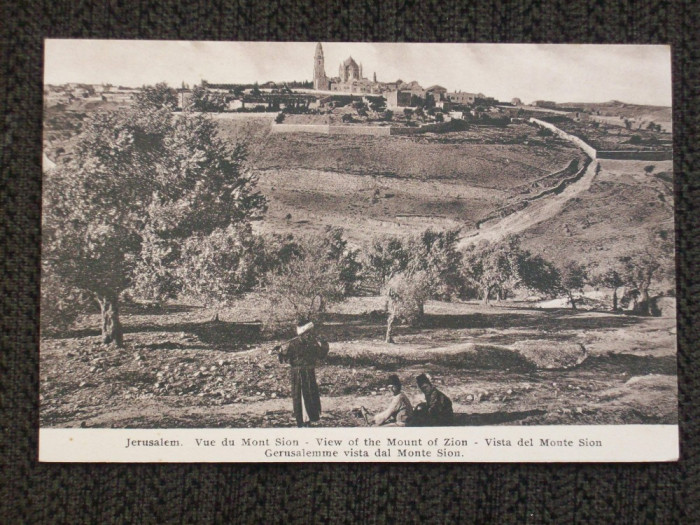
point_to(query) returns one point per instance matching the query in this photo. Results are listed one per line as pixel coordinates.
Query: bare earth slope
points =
(613, 216)
(180, 371)
(397, 184)
(536, 212)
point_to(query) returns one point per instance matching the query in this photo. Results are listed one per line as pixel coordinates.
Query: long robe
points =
(302, 356)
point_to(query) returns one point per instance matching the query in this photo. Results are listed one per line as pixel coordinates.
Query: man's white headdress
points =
(304, 328)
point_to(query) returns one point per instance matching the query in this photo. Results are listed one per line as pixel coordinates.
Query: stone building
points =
(349, 71)
(399, 99)
(321, 82)
(549, 104)
(350, 77)
(462, 98)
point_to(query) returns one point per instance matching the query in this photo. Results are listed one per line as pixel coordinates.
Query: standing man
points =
(302, 354)
(437, 409)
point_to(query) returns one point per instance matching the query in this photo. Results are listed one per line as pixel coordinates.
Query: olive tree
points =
(158, 96)
(427, 267)
(306, 274)
(492, 266)
(645, 266)
(406, 294)
(140, 183)
(573, 276)
(609, 277)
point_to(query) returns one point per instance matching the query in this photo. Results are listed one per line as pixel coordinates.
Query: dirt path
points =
(536, 212)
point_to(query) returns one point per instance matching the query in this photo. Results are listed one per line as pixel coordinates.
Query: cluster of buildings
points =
(350, 80)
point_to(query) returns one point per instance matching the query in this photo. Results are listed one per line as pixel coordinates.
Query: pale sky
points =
(564, 73)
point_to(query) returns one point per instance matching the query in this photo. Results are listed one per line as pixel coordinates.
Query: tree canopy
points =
(207, 101)
(158, 96)
(306, 274)
(138, 186)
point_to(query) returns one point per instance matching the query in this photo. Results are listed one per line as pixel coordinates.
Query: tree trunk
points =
(572, 301)
(643, 304)
(614, 300)
(389, 324)
(111, 326)
(487, 292)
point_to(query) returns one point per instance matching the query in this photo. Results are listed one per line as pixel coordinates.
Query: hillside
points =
(641, 115)
(613, 217)
(400, 185)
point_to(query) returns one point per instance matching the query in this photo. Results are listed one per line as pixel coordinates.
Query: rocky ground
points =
(500, 365)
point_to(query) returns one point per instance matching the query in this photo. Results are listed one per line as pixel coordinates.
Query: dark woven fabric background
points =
(53, 493)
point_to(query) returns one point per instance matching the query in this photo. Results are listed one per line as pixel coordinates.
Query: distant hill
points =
(641, 114)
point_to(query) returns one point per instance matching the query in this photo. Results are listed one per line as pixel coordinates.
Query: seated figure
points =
(436, 411)
(398, 411)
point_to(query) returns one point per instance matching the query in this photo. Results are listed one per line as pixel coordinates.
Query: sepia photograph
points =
(293, 245)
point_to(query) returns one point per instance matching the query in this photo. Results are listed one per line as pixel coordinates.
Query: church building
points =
(349, 79)
(321, 82)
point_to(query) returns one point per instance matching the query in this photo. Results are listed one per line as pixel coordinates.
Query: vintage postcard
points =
(292, 252)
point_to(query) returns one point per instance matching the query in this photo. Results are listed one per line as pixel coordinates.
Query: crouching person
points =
(399, 410)
(436, 411)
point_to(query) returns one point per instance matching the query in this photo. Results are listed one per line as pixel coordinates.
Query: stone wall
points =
(600, 154)
(377, 131)
(323, 129)
(636, 155)
(590, 150)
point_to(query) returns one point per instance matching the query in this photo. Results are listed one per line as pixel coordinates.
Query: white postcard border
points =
(484, 444)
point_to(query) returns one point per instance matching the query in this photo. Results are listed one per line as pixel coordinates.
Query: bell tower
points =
(320, 79)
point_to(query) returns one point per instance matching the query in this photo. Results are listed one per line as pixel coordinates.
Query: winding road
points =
(537, 211)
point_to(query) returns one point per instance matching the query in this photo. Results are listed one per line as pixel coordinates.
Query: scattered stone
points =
(82, 384)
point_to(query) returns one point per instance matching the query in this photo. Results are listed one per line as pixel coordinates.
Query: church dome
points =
(350, 62)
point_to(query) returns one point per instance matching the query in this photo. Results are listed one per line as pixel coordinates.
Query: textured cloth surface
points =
(35, 493)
